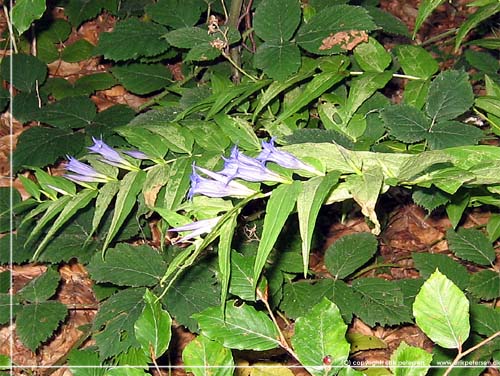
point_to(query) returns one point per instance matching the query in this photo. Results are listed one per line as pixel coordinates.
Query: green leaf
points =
(114, 323)
(429, 198)
(70, 112)
(484, 320)
(142, 78)
(416, 92)
(424, 11)
(78, 51)
(29, 71)
(278, 59)
(450, 95)
(312, 36)
(485, 284)
(416, 61)
(239, 131)
(280, 205)
(490, 104)
(79, 201)
(241, 281)
(426, 263)
(276, 20)
(311, 197)
(147, 142)
(41, 288)
(25, 106)
(449, 134)
(318, 85)
(349, 253)
(204, 357)
(242, 327)
(362, 88)
(57, 31)
(456, 208)
(410, 361)
(193, 292)
(381, 302)
(79, 11)
(35, 323)
(365, 190)
(482, 61)
(6, 209)
(88, 84)
(130, 186)
(387, 22)
(208, 135)
(493, 227)
(372, 56)
(24, 12)
(177, 184)
(78, 359)
(153, 327)
(471, 245)
(106, 194)
(323, 319)
(126, 265)
(132, 39)
(441, 310)
(177, 138)
(481, 14)
(188, 37)
(361, 342)
(187, 12)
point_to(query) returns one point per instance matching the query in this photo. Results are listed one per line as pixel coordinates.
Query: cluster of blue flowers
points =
(237, 166)
(212, 184)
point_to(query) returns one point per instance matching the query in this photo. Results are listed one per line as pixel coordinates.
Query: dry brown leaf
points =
(346, 40)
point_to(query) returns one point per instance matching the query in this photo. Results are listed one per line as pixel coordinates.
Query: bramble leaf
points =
(142, 78)
(471, 245)
(41, 288)
(426, 263)
(35, 323)
(349, 253)
(24, 12)
(485, 284)
(127, 265)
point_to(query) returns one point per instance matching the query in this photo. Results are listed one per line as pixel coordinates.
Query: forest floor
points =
(407, 229)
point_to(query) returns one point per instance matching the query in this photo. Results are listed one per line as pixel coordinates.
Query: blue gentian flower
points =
(110, 155)
(196, 228)
(83, 173)
(270, 153)
(136, 154)
(239, 165)
(217, 186)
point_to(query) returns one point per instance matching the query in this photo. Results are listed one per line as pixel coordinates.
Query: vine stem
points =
(461, 354)
(238, 68)
(397, 75)
(233, 21)
(283, 342)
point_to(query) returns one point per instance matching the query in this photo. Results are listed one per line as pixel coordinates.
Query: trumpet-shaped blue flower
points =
(239, 165)
(110, 155)
(83, 173)
(217, 186)
(197, 228)
(271, 153)
(136, 154)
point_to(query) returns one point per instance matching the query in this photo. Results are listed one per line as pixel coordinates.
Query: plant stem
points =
(233, 21)
(237, 67)
(461, 354)
(438, 37)
(375, 266)
(283, 342)
(396, 75)
(9, 26)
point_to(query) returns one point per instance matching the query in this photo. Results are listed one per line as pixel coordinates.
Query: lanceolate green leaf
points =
(153, 327)
(242, 327)
(441, 310)
(424, 11)
(278, 209)
(202, 355)
(53, 209)
(77, 202)
(318, 85)
(106, 194)
(177, 184)
(472, 21)
(130, 186)
(319, 334)
(239, 131)
(312, 195)
(224, 253)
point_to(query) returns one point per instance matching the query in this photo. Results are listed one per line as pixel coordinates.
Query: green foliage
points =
(312, 348)
(25, 12)
(471, 245)
(203, 353)
(449, 328)
(416, 361)
(485, 284)
(142, 78)
(427, 263)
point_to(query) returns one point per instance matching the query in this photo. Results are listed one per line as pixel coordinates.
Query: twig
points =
(9, 26)
(396, 75)
(283, 342)
(461, 354)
